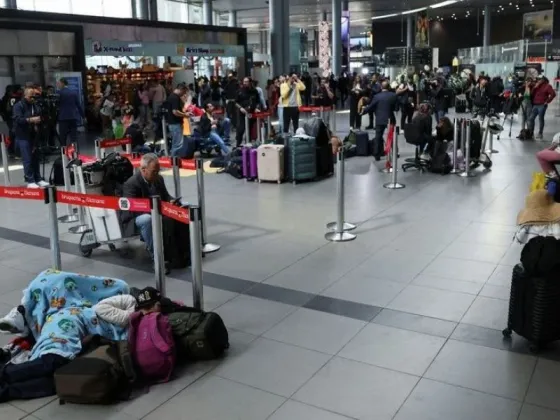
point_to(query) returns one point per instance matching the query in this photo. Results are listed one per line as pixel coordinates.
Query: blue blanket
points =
(58, 310)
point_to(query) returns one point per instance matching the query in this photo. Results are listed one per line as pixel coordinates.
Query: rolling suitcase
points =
(534, 308)
(249, 162)
(270, 162)
(303, 158)
(363, 144)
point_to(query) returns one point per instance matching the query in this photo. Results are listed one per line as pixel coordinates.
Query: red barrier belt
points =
(188, 164)
(174, 212)
(104, 144)
(389, 143)
(260, 115)
(87, 159)
(103, 201)
(314, 108)
(23, 193)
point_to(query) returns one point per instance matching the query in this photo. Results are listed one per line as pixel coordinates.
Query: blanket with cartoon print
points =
(58, 310)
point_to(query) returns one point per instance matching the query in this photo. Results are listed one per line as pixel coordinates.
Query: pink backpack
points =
(152, 346)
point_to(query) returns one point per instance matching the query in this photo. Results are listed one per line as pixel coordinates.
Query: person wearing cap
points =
(542, 95)
(70, 113)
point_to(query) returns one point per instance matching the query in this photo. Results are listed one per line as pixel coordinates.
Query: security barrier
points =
(115, 144)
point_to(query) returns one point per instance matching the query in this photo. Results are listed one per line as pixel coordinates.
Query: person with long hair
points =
(422, 119)
(356, 94)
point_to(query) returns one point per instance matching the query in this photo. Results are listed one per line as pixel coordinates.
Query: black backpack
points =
(441, 162)
(57, 174)
(541, 256)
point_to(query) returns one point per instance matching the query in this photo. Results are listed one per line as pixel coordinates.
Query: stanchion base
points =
(78, 229)
(394, 186)
(455, 171)
(490, 151)
(340, 237)
(467, 174)
(345, 226)
(70, 218)
(387, 170)
(209, 248)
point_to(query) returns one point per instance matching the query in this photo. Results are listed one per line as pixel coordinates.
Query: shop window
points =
(26, 4)
(88, 8)
(173, 11)
(52, 6)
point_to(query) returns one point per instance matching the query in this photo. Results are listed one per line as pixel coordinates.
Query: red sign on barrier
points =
(165, 162)
(23, 193)
(104, 144)
(175, 212)
(188, 164)
(141, 205)
(87, 159)
(70, 150)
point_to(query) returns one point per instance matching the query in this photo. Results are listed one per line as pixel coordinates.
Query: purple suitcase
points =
(253, 172)
(245, 162)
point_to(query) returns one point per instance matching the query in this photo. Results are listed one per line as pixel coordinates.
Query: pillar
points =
(8, 4)
(232, 18)
(336, 37)
(486, 27)
(410, 24)
(286, 35)
(324, 16)
(140, 9)
(276, 49)
(207, 12)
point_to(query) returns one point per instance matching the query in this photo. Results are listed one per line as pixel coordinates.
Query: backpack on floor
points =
(151, 344)
(441, 162)
(199, 335)
(102, 376)
(57, 174)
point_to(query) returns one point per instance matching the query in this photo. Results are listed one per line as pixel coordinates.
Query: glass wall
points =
(106, 8)
(179, 11)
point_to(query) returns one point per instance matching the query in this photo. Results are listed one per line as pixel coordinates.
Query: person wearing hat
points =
(148, 300)
(548, 157)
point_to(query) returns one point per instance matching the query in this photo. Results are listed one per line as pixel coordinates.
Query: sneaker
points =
(43, 184)
(14, 323)
(538, 136)
(32, 185)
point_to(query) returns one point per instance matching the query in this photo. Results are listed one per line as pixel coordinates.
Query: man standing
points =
(374, 89)
(70, 113)
(175, 117)
(26, 120)
(290, 94)
(543, 94)
(383, 106)
(247, 101)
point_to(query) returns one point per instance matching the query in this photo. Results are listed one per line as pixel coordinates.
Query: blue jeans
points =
(176, 131)
(215, 137)
(440, 113)
(30, 160)
(225, 128)
(539, 110)
(144, 223)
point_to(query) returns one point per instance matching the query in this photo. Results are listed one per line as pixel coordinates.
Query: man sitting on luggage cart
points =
(144, 184)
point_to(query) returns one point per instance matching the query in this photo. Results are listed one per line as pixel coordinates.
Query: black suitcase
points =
(363, 144)
(534, 308)
(176, 243)
(57, 174)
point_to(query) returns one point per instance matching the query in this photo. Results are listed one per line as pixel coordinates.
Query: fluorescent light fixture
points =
(408, 12)
(384, 16)
(443, 4)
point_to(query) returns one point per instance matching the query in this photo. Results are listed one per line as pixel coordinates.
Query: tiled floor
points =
(403, 323)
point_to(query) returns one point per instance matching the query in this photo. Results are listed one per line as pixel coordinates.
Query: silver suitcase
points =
(270, 162)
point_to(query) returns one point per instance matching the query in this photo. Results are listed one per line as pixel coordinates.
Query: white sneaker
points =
(14, 323)
(32, 185)
(43, 184)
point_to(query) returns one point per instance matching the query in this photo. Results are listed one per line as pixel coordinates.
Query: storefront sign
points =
(122, 48)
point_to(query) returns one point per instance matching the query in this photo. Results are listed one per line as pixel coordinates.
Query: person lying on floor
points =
(548, 157)
(57, 311)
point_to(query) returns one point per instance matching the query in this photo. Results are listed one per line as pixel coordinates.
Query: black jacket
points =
(23, 110)
(204, 126)
(383, 105)
(248, 98)
(137, 187)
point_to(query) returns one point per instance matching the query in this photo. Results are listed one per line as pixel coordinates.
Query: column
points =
(140, 9)
(152, 10)
(324, 16)
(410, 31)
(486, 27)
(232, 18)
(207, 12)
(286, 35)
(8, 4)
(276, 49)
(336, 37)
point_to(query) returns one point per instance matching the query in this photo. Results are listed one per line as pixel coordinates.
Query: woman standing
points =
(144, 104)
(406, 95)
(356, 94)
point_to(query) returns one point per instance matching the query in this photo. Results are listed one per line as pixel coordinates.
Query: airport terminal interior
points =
(404, 322)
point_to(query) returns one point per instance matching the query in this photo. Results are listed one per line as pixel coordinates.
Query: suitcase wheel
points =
(506, 333)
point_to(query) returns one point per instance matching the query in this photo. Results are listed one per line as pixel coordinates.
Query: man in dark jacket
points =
(247, 101)
(70, 113)
(383, 106)
(374, 89)
(211, 127)
(145, 184)
(27, 117)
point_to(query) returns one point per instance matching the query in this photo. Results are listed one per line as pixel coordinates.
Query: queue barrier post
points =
(157, 234)
(455, 161)
(196, 257)
(490, 150)
(50, 200)
(207, 247)
(128, 146)
(98, 149)
(70, 216)
(269, 122)
(79, 187)
(394, 185)
(5, 164)
(339, 228)
(260, 125)
(176, 165)
(164, 131)
(467, 173)
(247, 135)
(389, 168)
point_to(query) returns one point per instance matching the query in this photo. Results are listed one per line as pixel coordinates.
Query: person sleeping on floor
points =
(548, 157)
(58, 310)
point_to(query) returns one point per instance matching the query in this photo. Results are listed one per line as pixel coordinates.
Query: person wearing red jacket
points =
(541, 96)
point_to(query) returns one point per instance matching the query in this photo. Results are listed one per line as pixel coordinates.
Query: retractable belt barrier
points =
(322, 110)
(101, 145)
(259, 116)
(5, 163)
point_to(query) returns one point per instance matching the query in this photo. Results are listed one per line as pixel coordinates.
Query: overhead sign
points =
(134, 48)
(537, 26)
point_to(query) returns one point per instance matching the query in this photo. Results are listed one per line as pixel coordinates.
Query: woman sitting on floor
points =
(548, 157)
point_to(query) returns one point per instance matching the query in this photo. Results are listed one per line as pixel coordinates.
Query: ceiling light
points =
(413, 11)
(443, 3)
(384, 16)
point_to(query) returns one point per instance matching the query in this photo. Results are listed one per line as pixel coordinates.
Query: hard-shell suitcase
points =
(253, 165)
(363, 144)
(249, 162)
(270, 162)
(245, 161)
(303, 158)
(534, 308)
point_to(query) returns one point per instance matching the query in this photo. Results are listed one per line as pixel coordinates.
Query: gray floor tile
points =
(441, 283)
(345, 308)
(512, 255)
(496, 292)
(55, 411)
(294, 410)
(368, 393)
(367, 289)
(279, 294)
(460, 269)
(488, 234)
(183, 291)
(315, 330)
(253, 315)
(501, 276)
(272, 366)
(432, 400)
(545, 383)
(9, 412)
(236, 401)
(413, 322)
(30, 406)
(492, 338)
(488, 313)
(498, 372)
(531, 412)
(393, 348)
(449, 306)
(475, 252)
(431, 245)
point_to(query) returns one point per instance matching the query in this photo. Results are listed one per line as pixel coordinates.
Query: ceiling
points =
(307, 13)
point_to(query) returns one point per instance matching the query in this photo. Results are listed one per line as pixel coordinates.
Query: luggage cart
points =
(489, 124)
